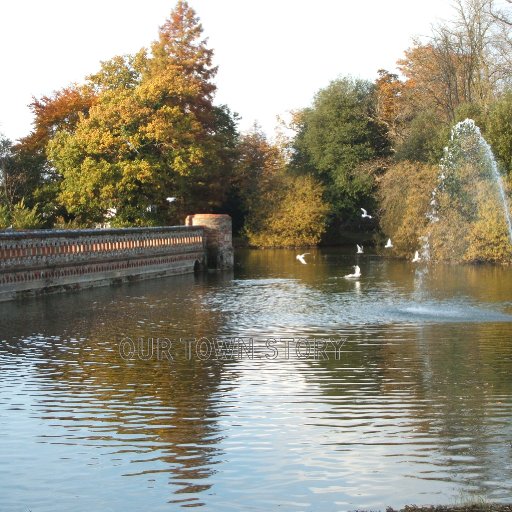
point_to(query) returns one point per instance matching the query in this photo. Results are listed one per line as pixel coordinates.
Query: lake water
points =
(278, 386)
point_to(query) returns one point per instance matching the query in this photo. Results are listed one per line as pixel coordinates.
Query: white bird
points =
(300, 257)
(355, 275)
(170, 199)
(416, 257)
(388, 244)
(111, 213)
(365, 214)
(359, 249)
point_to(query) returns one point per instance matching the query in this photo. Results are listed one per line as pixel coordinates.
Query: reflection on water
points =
(416, 406)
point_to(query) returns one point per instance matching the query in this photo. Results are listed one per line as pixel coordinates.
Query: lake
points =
(275, 386)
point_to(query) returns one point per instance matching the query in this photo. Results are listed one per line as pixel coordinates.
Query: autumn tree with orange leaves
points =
(152, 133)
(461, 63)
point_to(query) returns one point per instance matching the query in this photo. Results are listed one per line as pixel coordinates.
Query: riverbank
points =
(479, 507)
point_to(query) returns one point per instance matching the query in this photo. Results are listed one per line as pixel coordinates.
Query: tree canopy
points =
(338, 134)
(151, 133)
(142, 141)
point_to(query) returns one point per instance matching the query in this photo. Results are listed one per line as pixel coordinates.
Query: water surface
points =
(411, 403)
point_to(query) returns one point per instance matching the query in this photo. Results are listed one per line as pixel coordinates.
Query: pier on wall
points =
(46, 261)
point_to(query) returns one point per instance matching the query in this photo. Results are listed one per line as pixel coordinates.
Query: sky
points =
(273, 55)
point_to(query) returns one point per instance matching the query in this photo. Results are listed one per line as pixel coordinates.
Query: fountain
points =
(464, 222)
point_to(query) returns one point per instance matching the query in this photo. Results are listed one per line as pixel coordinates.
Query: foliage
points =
(471, 224)
(394, 107)
(279, 209)
(404, 195)
(424, 139)
(462, 62)
(338, 133)
(152, 133)
(60, 111)
(5, 216)
(499, 130)
(31, 176)
(63, 223)
(25, 218)
(144, 128)
(489, 240)
(295, 216)
(20, 217)
(8, 185)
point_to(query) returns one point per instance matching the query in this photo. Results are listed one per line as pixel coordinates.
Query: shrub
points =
(404, 196)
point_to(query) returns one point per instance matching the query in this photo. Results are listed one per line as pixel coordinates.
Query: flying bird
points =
(355, 275)
(300, 257)
(416, 257)
(365, 214)
(388, 244)
(170, 199)
(359, 249)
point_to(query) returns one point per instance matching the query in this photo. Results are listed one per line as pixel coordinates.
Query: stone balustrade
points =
(36, 249)
(33, 262)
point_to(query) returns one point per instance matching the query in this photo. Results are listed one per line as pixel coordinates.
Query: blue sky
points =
(273, 55)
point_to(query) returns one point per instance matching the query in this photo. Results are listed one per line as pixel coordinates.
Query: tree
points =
(396, 105)
(257, 170)
(15, 180)
(152, 133)
(5, 168)
(179, 44)
(338, 134)
(462, 62)
(404, 194)
(499, 130)
(424, 138)
(296, 214)
(37, 180)
(280, 208)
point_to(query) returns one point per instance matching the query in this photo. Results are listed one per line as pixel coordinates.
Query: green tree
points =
(25, 218)
(338, 134)
(499, 130)
(37, 180)
(5, 168)
(424, 140)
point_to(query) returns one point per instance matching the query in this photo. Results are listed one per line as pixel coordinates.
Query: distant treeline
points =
(141, 142)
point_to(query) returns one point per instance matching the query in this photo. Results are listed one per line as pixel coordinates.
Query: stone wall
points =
(33, 262)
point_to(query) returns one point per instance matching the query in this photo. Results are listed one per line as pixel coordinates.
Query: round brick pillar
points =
(219, 239)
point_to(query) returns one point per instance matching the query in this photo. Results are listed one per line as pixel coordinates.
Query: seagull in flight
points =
(365, 214)
(355, 275)
(359, 249)
(300, 257)
(416, 257)
(388, 244)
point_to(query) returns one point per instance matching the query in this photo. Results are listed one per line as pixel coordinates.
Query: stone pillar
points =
(219, 240)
